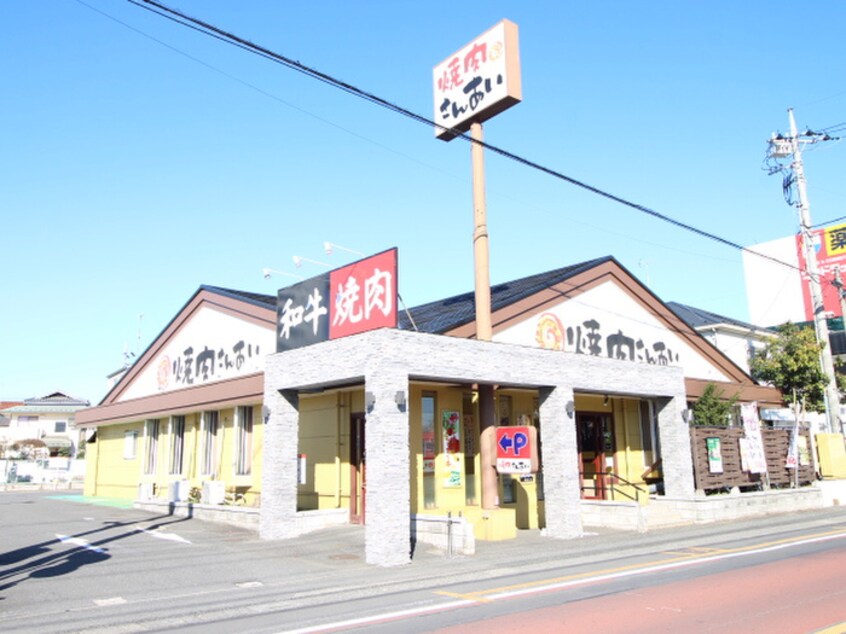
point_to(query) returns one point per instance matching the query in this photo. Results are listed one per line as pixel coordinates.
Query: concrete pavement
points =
(104, 566)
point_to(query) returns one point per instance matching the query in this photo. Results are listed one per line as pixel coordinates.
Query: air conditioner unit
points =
(146, 491)
(214, 492)
(179, 491)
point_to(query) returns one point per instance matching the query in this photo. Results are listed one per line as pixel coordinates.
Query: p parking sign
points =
(516, 450)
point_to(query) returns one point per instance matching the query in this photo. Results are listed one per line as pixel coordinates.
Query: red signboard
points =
(516, 450)
(356, 298)
(830, 248)
(364, 295)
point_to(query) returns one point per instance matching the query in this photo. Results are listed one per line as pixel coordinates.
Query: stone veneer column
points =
(676, 458)
(562, 497)
(388, 506)
(278, 513)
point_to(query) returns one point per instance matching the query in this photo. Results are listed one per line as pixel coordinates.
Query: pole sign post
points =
(516, 450)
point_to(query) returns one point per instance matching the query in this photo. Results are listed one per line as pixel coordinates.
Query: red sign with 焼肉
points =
(364, 295)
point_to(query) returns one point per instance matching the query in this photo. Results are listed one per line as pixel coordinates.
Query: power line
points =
(234, 40)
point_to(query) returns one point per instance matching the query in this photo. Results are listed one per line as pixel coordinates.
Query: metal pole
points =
(832, 396)
(484, 329)
(841, 293)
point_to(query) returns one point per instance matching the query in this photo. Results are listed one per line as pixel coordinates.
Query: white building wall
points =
(773, 291)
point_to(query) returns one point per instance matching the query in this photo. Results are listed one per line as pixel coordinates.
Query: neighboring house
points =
(50, 419)
(736, 339)
(5, 422)
(586, 355)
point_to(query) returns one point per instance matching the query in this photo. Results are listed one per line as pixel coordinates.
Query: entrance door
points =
(358, 471)
(596, 448)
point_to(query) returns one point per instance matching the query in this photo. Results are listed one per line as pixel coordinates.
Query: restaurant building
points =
(306, 413)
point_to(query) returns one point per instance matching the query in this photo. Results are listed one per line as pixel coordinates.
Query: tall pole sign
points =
(470, 86)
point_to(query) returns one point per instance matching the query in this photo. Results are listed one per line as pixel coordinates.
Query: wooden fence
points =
(776, 444)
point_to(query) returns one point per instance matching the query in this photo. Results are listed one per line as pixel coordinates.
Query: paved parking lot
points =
(61, 559)
(69, 565)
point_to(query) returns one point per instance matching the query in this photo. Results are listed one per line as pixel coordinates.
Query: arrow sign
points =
(516, 441)
(515, 450)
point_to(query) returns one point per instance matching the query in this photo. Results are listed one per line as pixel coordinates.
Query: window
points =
(244, 438)
(129, 444)
(151, 433)
(649, 433)
(210, 424)
(428, 419)
(177, 443)
(60, 427)
(504, 415)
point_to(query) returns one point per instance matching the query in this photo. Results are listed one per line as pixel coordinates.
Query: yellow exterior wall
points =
(325, 423)
(113, 475)
(109, 474)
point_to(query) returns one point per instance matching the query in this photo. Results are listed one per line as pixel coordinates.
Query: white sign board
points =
(478, 82)
(212, 346)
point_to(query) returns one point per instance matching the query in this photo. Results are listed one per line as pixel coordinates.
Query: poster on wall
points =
(451, 433)
(752, 456)
(792, 452)
(715, 455)
(428, 442)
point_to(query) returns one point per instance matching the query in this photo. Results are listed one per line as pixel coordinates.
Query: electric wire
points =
(234, 40)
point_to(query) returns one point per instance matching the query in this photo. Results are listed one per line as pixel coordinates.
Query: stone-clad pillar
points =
(388, 504)
(279, 465)
(676, 457)
(560, 463)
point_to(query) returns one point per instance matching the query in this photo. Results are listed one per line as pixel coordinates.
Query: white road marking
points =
(387, 616)
(110, 601)
(172, 537)
(452, 605)
(658, 568)
(77, 541)
(249, 584)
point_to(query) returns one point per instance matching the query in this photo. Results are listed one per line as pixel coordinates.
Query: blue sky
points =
(141, 160)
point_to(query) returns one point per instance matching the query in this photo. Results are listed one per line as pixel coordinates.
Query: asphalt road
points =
(67, 566)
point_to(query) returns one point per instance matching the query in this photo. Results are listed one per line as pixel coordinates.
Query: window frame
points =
(152, 428)
(177, 445)
(210, 429)
(130, 444)
(244, 425)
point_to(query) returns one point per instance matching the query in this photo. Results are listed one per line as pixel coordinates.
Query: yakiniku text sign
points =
(478, 82)
(355, 298)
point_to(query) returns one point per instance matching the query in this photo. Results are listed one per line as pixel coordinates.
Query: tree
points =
(791, 362)
(711, 409)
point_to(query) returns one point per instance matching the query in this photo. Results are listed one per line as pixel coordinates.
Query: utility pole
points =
(841, 294)
(791, 146)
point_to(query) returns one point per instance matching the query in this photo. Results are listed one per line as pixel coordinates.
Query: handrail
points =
(637, 488)
(653, 468)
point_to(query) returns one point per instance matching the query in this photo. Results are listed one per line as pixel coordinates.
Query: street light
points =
(298, 262)
(268, 272)
(329, 246)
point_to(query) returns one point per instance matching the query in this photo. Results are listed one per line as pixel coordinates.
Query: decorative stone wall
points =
(384, 361)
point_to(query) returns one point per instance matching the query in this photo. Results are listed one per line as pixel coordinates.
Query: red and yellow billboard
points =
(830, 247)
